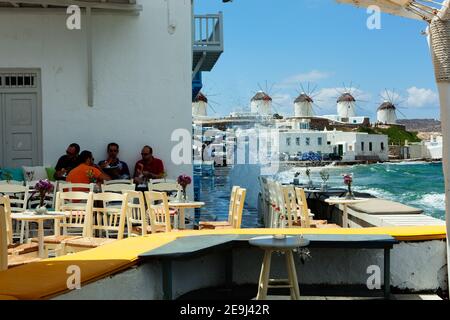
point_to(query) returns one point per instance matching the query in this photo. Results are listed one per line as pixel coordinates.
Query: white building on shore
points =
(359, 145)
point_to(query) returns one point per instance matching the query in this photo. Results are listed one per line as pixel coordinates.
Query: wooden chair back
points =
(290, 208)
(118, 187)
(119, 181)
(158, 208)
(136, 213)
(303, 208)
(18, 196)
(77, 206)
(15, 182)
(9, 228)
(170, 188)
(231, 208)
(75, 187)
(239, 208)
(108, 215)
(3, 237)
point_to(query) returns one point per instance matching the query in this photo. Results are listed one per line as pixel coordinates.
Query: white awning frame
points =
(124, 6)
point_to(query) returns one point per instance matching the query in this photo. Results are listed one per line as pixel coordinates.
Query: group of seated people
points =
(76, 167)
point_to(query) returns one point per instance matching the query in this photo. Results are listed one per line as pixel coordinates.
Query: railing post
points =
(221, 30)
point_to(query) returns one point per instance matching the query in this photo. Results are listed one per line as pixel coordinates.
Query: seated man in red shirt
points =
(87, 171)
(149, 167)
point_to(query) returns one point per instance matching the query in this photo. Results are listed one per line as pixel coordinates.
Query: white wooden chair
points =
(105, 219)
(290, 206)
(138, 222)
(75, 187)
(76, 206)
(159, 213)
(13, 248)
(119, 181)
(306, 216)
(170, 188)
(5, 259)
(18, 196)
(118, 187)
(223, 224)
(154, 181)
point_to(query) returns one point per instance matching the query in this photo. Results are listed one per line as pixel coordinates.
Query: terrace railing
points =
(207, 41)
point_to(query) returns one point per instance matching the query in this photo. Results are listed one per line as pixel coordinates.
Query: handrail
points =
(208, 31)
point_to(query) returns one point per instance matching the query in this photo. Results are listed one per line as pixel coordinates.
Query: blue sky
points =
(285, 43)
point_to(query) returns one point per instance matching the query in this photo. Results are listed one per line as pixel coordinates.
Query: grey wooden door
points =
(20, 129)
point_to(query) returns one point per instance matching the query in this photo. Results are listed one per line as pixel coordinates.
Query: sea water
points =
(418, 184)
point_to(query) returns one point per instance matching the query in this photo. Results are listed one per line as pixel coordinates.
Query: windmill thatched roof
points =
(261, 96)
(346, 97)
(201, 97)
(303, 98)
(386, 106)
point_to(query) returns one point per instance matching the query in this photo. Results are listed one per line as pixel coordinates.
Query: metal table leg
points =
(387, 273)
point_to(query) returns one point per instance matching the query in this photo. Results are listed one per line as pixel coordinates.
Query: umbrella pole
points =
(440, 49)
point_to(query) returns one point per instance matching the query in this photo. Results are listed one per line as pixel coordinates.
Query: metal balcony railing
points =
(208, 32)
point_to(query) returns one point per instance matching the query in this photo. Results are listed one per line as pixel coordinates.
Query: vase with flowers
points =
(325, 175)
(184, 180)
(348, 180)
(42, 188)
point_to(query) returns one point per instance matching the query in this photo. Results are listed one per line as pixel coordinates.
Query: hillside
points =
(396, 135)
(422, 125)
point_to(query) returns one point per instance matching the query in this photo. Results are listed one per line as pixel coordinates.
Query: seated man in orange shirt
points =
(87, 171)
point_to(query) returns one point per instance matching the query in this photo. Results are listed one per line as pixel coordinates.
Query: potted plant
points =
(42, 187)
(184, 180)
(348, 180)
(325, 175)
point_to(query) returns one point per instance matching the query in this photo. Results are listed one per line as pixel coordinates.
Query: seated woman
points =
(87, 171)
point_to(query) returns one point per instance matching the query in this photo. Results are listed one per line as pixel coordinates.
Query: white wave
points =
(404, 163)
(432, 200)
(379, 193)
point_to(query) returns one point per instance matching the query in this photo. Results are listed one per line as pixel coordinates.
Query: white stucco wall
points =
(142, 79)
(293, 148)
(352, 144)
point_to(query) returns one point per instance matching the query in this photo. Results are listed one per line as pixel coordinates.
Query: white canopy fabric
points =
(121, 5)
(413, 9)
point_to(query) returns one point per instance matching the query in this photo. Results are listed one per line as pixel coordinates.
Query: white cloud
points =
(421, 97)
(295, 80)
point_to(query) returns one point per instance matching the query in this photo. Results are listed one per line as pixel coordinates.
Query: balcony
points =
(207, 38)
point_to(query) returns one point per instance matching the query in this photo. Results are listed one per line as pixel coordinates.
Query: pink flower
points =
(348, 179)
(184, 180)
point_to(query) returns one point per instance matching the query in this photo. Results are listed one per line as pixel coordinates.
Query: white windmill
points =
(303, 106)
(437, 15)
(261, 104)
(200, 105)
(304, 103)
(386, 113)
(346, 105)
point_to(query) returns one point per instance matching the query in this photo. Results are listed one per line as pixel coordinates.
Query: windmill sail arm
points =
(403, 8)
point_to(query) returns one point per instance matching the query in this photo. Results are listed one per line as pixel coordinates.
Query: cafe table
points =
(345, 202)
(31, 216)
(181, 206)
